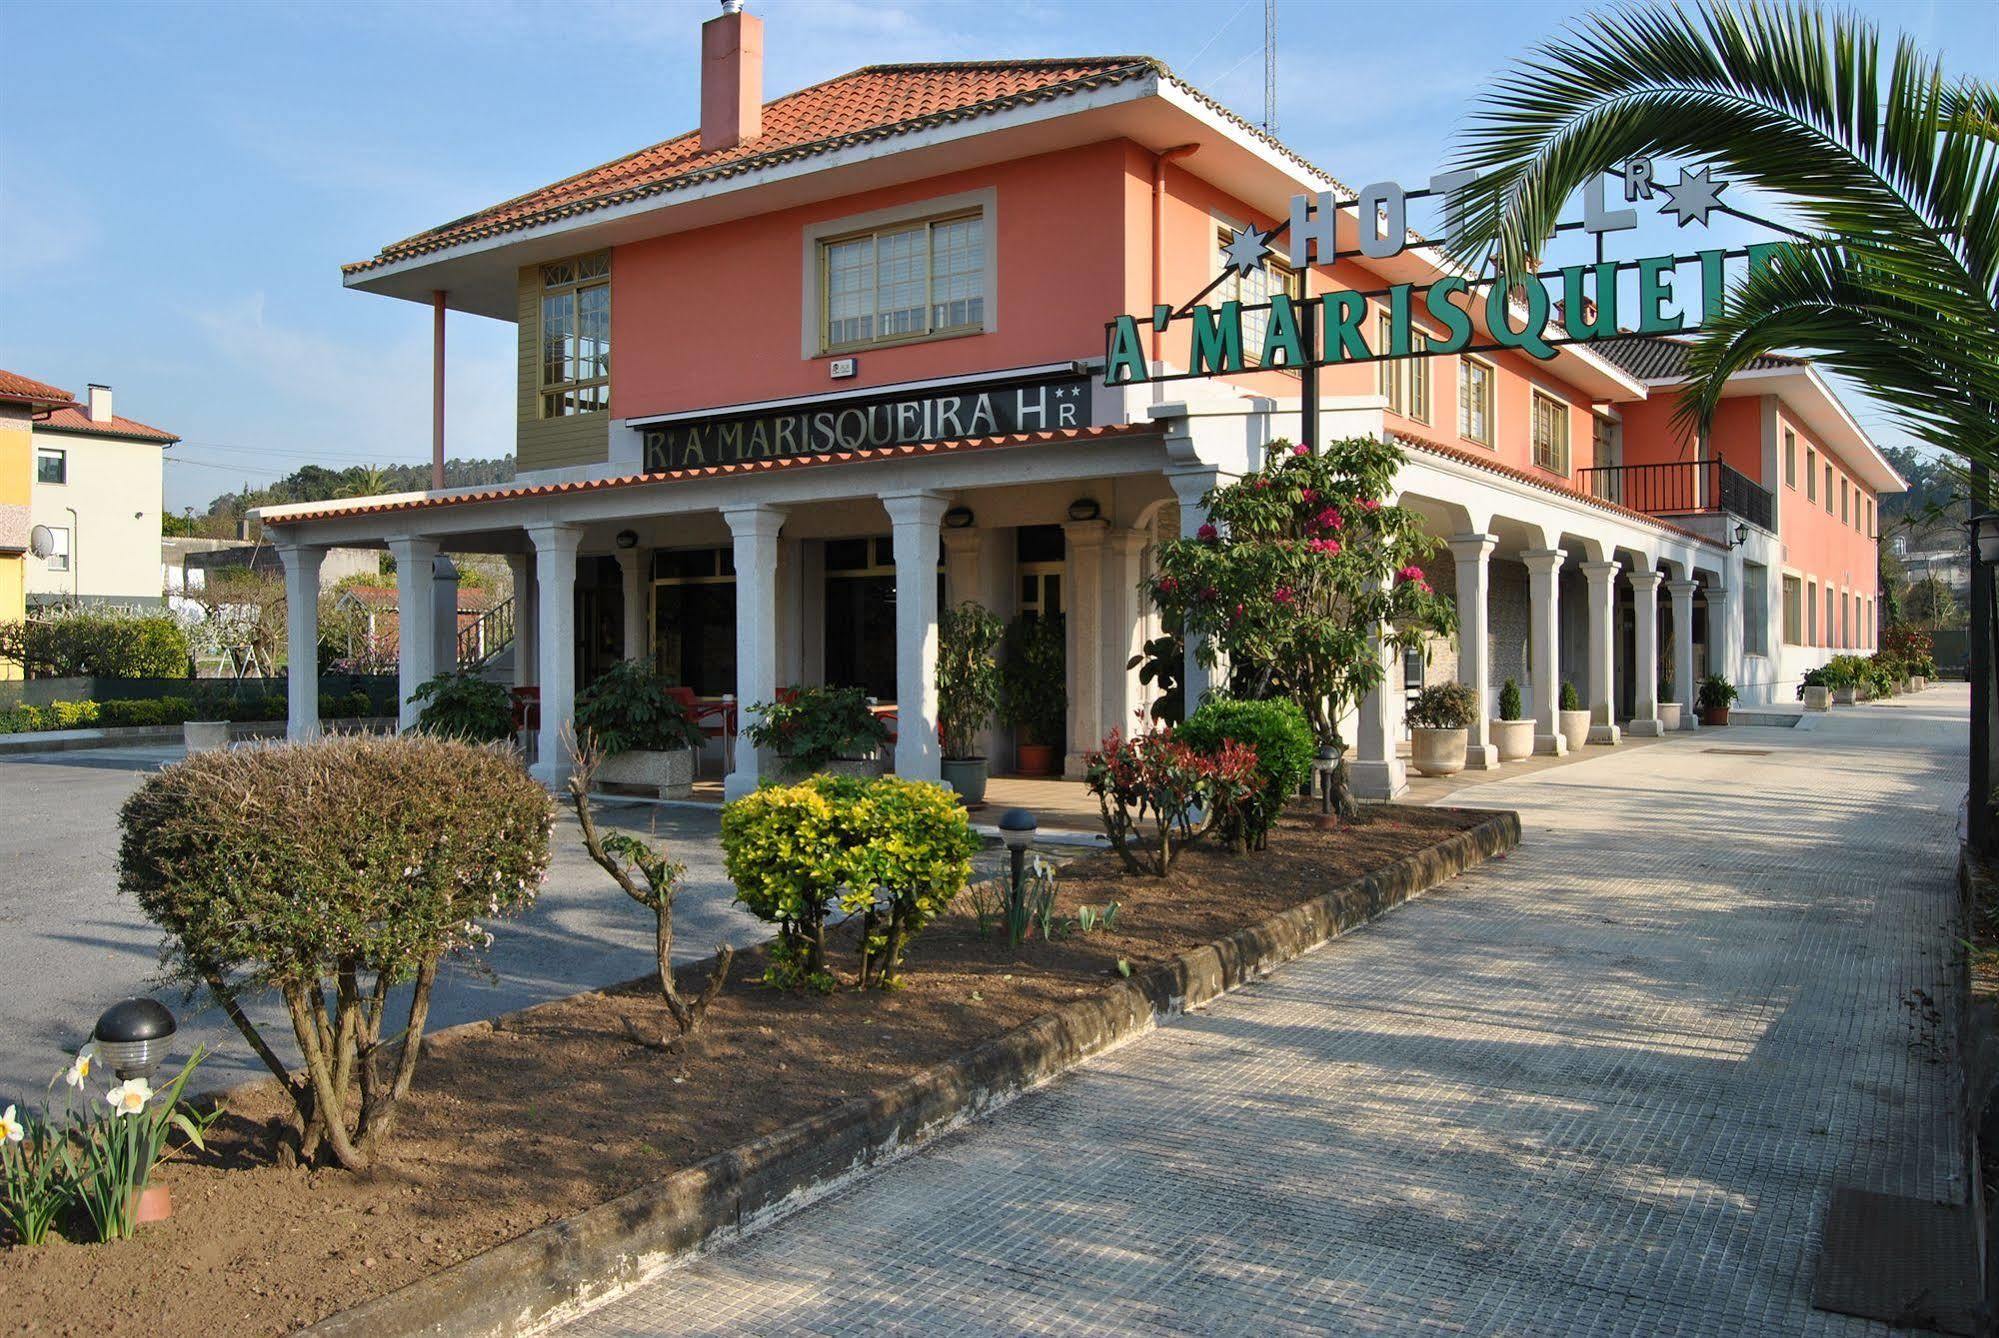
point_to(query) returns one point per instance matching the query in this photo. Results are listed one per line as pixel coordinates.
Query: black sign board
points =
(845, 426)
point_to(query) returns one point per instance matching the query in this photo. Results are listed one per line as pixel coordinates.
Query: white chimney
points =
(732, 78)
(97, 403)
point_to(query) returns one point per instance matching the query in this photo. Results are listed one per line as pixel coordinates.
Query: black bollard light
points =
(132, 1036)
(1016, 828)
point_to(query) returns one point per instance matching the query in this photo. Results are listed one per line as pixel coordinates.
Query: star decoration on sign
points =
(1246, 250)
(1693, 197)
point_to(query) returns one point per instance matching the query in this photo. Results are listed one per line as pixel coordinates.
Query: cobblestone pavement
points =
(1603, 1086)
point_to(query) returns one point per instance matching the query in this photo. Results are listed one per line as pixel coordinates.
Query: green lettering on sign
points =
(1344, 311)
(1124, 360)
(1578, 307)
(1218, 338)
(1655, 290)
(1454, 318)
(1499, 316)
(1280, 334)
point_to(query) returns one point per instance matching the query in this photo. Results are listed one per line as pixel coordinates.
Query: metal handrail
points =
(1680, 487)
(486, 636)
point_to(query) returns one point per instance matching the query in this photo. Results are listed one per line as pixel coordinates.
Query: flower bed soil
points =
(547, 1112)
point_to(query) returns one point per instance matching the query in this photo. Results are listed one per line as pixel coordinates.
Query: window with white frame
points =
(1811, 613)
(1389, 371)
(58, 558)
(1755, 609)
(1254, 290)
(1790, 458)
(1475, 400)
(576, 336)
(1811, 475)
(1551, 434)
(51, 465)
(1419, 376)
(1794, 599)
(922, 280)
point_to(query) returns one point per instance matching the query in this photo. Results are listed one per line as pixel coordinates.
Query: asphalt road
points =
(70, 944)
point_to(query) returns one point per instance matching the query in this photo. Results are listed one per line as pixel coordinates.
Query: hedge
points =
(162, 711)
(77, 642)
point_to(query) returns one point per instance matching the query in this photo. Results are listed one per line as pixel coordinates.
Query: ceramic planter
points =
(1438, 752)
(202, 735)
(967, 776)
(1573, 727)
(1818, 699)
(1714, 716)
(670, 773)
(1846, 696)
(152, 1204)
(1034, 759)
(1513, 738)
(1669, 716)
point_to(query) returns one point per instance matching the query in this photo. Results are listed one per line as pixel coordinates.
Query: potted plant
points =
(1716, 695)
(1513, 736)
(1440, 728)
(641, 733)
(1034, 694)
(820, 729)
(464, 706)
(1669, 705)
(1572, 720)
(968, 692)
(1841, 674)
(1813, 690)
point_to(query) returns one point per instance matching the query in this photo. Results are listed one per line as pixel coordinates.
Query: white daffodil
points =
(79, 1068)
(11, 1129)
(130, 1097)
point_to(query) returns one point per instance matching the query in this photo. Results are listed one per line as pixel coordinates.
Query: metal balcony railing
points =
(1679, 488)
(486, 636)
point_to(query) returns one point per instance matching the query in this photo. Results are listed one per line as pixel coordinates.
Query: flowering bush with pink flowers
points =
(1300, 567)
(1158, 794)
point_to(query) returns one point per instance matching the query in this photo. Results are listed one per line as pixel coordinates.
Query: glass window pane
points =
(558, 338)
(593, 332)
(899, 283)
(850, 295)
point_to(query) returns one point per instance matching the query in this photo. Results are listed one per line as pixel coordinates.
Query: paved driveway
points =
(1603, 1086)
(69, 944)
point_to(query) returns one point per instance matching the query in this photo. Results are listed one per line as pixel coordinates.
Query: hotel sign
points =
(846, 426)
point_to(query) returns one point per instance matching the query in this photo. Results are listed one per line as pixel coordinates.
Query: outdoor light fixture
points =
(1016, 829)
(133, 1035)
(958, 518)
(628, 539)
(1741, 536)
(1084, 508)
(1985, 536)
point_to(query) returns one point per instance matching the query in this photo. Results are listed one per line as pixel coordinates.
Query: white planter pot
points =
(669, 774)
(1846, 696)
(1438, 752)
(1818, 699)
(1918, 682)
(1669, 716)
(202, 735)
(1513, 738)
(1574, 728)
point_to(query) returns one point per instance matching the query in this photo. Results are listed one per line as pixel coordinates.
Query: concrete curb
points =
(553, 1271)
(149, 736)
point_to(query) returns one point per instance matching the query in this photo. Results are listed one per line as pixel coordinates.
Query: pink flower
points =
(1424, 586)
(1168, 585)
(1208, 592)
(1369, 504)
(1207, 534)
(1283, 594)
(1301, 449)
(1326, 546)
(1263, 483)
(1412, 572)
(1308, 494)
(1238, 610)
(1329, 519)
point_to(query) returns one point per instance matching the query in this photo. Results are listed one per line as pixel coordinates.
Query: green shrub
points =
(72, 715)
(817, 725)
(1716, 693)
(1509, 701)
(1444, 706)
(334, 868)
(1158, 795)
(464, 706)
(1034, 693)
(785, 847)
(1571, 701)
(912, 859)
(105, 643)
(627, 709)
(968, 675)
(1282, 738)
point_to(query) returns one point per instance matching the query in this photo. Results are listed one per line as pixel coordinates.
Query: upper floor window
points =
(1419, 377)
(1843, 516)
(1390, 372)
(1551, 434)
(51, 465)
(1811, 475)
(1255, 290)
(58, 558)
(1475, 400)
(576, 336)
(910, 281)
(1794, 598)
(1871, 532)
(1790, 458)
(1828, 487)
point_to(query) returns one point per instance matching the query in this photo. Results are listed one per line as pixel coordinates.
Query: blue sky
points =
(180, 183)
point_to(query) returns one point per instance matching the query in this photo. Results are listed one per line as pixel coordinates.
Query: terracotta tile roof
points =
(509, 492)
(1545, 484)
(874, 102)
(26, 390)
(1660, 358)
(75, 419)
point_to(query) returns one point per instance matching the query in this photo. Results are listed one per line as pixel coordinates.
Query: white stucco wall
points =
(114, 486)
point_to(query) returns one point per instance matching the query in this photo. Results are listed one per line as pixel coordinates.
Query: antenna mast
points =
(1270, 67)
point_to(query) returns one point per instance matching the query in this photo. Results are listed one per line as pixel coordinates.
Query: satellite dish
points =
(41, 541)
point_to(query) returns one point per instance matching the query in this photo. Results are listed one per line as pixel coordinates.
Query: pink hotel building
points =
(780, 374)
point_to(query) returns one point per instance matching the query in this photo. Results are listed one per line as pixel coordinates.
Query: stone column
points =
(416, 621)
(1544, 641)
(1124, 621)
(961, 566)
(521, 567)
(302, 564)
(1474, 558)
(1376, 770)
(444, 599)
(1683, 649)
(914, 520)
(1644, 723)
(555, 639)
(1722, 656)
(1189, 487)
(1602, 577)
(1084, 618)
(632, 563)
(755, 530)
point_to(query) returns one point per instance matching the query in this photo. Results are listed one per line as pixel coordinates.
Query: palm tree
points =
(1892, 167)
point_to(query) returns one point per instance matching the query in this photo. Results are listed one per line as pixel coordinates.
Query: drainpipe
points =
(437, 388)
(1164, 157)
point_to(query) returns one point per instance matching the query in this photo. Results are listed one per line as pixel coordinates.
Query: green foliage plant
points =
(785, 847)
(912, 859)
(1509, 701)
(329, 872)
(1716, 693)
(1571, 700)
(1300, 574)
(816, 725)
(1444, 706)
(35, 1187)
(464, 707)
(968, 675)
(1034, 693)
(111, 1156)
(628, 709)
(77, 641)
(1158, 795)
(1282, 739)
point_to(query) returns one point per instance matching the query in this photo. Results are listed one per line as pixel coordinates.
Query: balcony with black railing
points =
(1681, 488)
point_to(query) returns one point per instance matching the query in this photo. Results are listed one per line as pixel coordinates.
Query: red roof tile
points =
(26, 390)
(875, 102)
(363, 507)
(74, 419)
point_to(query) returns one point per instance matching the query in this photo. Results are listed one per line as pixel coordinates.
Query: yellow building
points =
(23, 401)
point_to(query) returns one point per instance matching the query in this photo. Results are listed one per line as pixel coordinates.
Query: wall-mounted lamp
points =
(1084, 508)
(628, 539)
(1985, 536)
(958, 518)
(1741, 536)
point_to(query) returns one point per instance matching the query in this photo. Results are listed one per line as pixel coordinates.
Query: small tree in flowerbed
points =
(465, 707)
(1159, 794)
(1299, 574)
(331, 871)
(1282, 740)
